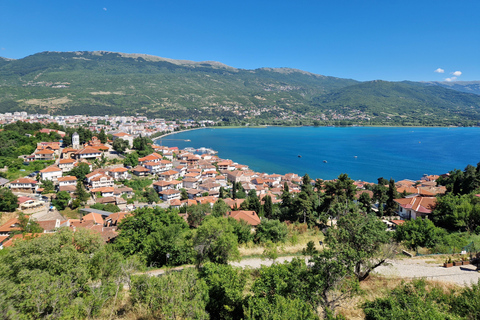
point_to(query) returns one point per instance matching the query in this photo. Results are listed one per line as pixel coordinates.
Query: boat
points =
(299, 156)
(324, 161)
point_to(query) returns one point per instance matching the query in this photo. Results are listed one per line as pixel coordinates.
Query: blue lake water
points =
(364, 153)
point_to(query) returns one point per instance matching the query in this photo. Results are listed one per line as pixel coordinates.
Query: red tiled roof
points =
(250, 217)
(51, 169)
(24, 181)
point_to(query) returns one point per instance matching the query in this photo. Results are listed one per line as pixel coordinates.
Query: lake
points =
(364, 153)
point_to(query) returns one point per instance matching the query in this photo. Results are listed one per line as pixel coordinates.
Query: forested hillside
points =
(99, 83)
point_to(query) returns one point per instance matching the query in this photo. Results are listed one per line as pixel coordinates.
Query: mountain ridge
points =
(103, 82)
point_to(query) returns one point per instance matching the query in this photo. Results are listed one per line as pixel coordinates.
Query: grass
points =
(298, 237)
(70, 213)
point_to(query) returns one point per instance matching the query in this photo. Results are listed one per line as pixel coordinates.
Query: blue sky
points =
(362, 40)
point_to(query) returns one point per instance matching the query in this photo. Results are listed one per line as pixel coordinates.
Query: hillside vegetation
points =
(99, 83)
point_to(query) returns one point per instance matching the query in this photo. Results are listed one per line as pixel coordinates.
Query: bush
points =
(271, 230)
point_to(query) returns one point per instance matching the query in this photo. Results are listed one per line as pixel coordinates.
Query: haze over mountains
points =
(99, 83)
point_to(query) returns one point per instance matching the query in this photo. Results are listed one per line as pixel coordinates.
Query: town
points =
(179, 178)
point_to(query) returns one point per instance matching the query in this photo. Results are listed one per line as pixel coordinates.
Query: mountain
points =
(462, 86)
(403, 101)
(100, 82)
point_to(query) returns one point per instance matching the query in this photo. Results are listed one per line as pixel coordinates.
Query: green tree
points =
(183, 194)
(151, 195)
(131, 159)
(47, 186)
(102, 136)
(80, 171)
(271, 230)
(220, 208)
(196, 214)
(268, 207)
(392, 194)
(81, 193)
(365, 202)
(61, 200)
(363, 239)
(179, 294)
(50, 276)
(241, 229)
(110, 207)
(215, 241)
(226, 285)
(8, 201)
(419, 233)
(120, 145)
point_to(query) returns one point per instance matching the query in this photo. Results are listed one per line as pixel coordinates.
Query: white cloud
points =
(439, 70)
(451, 79)
(457, 73)
(104, 9)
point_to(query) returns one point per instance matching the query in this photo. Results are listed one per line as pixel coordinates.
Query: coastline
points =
(283, 156)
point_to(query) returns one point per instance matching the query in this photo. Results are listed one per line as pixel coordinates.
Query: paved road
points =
(405, 268)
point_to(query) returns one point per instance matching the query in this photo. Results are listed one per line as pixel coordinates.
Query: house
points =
(88, 153)
(67, 181)
(66, 164)
(234, 204)
(239, 176)
(140, 171)
(51, 173)
(99, 180)
(44, 154)
(153, 157)
(226, 165)
(24, 185)
(160, 186)
(124, 136)
(170, 194)
(104, 191)
(190, 183)
(118, 173)
(194, 193)
(153, 167)
(250, 217)
(414, 207)
(169, 175)
(10, 226)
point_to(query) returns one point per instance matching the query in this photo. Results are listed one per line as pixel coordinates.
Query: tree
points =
(196, 214)
(80, 171)
(271, 230)
(419, 233)
(8, 201)
(392, 194)
(253, 201)
(342, 191)
(220, 208)
(366, 202)
(183, 194)
(50, 276)
(81, 193)
(363, 239)
(154, 233)
(110, 207)
(215, 241)
(226, 285)
(268, 207)
(61, 200)
(151, 195)
(102, 136)
(178, 294)
(28, 225)
(131, 159)
(380, 194)
(120, 145)
(47, 186)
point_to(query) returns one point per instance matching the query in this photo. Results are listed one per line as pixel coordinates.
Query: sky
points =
(358, 39)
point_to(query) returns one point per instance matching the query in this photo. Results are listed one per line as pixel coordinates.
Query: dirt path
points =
(405, 268)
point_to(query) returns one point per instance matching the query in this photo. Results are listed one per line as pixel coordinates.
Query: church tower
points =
(75, 141)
